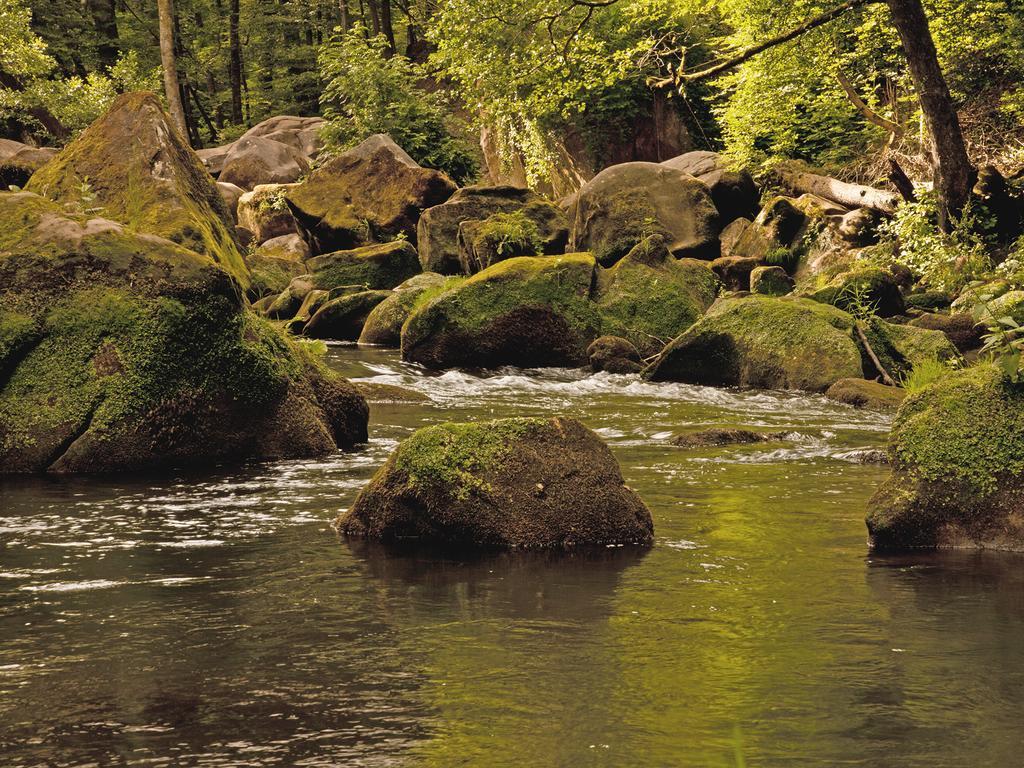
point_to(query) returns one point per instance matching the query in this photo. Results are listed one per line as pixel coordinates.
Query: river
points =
(217, 619)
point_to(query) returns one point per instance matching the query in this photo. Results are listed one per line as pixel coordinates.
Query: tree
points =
(169, 61)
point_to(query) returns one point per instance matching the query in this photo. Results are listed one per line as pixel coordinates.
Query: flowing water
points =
(217, 620)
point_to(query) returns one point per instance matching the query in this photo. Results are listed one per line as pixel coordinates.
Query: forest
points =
(511, 382)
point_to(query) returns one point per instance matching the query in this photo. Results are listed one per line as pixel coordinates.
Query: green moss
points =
(17, 332)
(631, 219)
(902, 347)
(652, 304)
(451, 458)
(861, 291)
(504, 236)
(968, 427)
(374, 267)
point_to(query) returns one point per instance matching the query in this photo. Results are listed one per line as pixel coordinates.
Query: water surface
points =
(217, 620)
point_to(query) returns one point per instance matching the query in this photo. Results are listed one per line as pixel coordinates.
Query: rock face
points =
(957, 452)
(257, 160)
(367, 195)
(770, 281)
(515, 483)
(438, 228)
(374, 266)
(383, 326)
(529, 311)
(121, 351)
(764, 342)
(141, 173)
(626, 203)
(649, 297)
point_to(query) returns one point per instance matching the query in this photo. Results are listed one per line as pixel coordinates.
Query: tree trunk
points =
(169, 61)
(235, 63)
(387, 26)
(954, 175)
(374, 16)
(104, 17)
(346, 23)
(849, 195)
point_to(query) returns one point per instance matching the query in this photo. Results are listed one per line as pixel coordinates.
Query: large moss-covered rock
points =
(770, 281)
(438, 228)
(957, 452)
(265, 213)
(861, 393)
(614, 354)
(515, 483)
(383, 326)
(132, 166)
(370, 194)
(900, 348)
(649, 297)
(764, 342)
(626, 203)
(734, 192)
(373, 266)
(528, 311)
(962, 330)
(121, 351)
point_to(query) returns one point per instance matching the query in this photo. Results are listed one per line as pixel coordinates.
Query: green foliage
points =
(944, 261)
(368, 92)
(855, 298)
(1004, 342)
(508, 234)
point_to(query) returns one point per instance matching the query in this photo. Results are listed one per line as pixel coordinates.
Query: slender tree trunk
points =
(235, 63)
(387, 26)
(346, 22)
(104, 17)
(374, 16)
(954, 175)
(169, 60)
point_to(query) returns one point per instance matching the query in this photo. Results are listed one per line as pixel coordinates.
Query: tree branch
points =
(749, 53)
(869, 114)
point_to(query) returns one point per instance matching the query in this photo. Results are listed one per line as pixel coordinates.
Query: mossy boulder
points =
(290, 299)
(131, 165)
(383, 326)
(863, 288)
(928, 301)
(529, 311)
(375, 267)
(514, 483)
(957, 452)
(735, 271)
(17, 168)
(861, 393)
(902, 347)
(649, 297)
(770, 281)
(270, 275)
(310, 306)
(123, 351)
(733, 191)
(613, 354)
(624, 204)
(539, 227)
(370, 194)
(256, 160)
(438, 227)
(342, 318)
(265, 212)
(764, 342)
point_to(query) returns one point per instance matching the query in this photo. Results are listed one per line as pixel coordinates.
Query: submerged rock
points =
(861, 393)
(528, 311)
(764, 342)
(370, 194)
(627, 203)
(957, 451)
(721, 436)
(132, 166)
(121, 351)
(514, 483)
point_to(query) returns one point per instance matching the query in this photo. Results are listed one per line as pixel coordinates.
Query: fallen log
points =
(842, 192)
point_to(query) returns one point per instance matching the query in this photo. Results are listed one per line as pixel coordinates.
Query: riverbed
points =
(216, 619)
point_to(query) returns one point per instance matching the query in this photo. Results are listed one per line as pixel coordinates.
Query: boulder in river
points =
(861, 393)
(957, 453)
(370, 194)
(132, 166)
(764, 342)
(717, 437)
(122, 351)
(538, 228)
(614, 354)
(624, 204)
(527, 311)
(513, 483)
(343, 318)
(649, 297)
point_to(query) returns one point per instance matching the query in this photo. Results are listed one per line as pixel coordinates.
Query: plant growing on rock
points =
(1004, 342)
